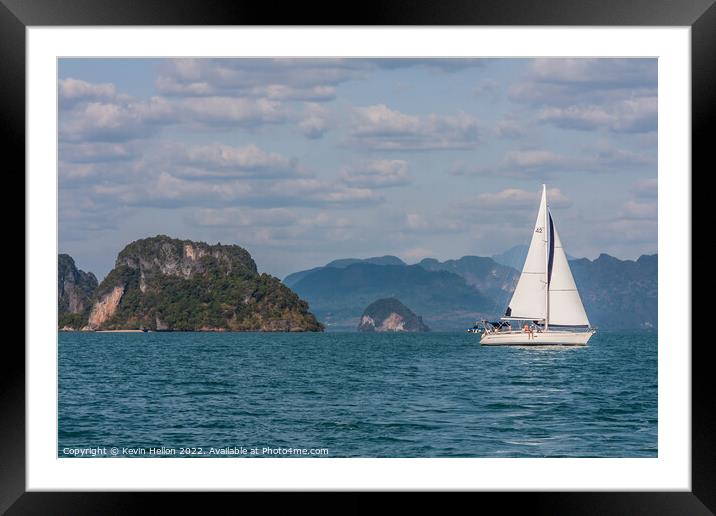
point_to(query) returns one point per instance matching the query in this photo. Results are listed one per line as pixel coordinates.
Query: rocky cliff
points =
(162, 283)
(165, 256)
(74, 292)
(390, 315)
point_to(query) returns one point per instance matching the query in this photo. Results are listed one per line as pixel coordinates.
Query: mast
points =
(546, 257)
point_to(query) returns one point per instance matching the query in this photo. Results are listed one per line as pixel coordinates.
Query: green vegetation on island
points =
(162, 283)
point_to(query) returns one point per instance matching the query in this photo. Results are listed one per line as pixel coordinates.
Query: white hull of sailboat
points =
(543, 338)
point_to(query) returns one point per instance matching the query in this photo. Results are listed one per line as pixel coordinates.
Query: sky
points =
(303, 161)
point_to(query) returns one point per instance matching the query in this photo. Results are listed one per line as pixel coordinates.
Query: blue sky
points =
(303, 161)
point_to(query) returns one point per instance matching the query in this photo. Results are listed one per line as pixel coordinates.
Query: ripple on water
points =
(360, 395)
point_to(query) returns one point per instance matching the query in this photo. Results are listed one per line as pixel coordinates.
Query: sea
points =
(253, 395)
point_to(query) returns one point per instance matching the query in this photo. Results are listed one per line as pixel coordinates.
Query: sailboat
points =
(545, 299)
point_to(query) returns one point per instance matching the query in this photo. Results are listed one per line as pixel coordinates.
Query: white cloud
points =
(509, 128)
(72, 91)
(94, 152)
(80, 213)
(523, 163)
(380, 119)
(544, 163)
(614, 235)
(348, 196)
(646, 188)
(265, 217)
(282, 92)
(515, 198)
(285, 79)
(326, 220)
(378, 127)
(528, 159)
(75, 172)
(560, 81)
(595, 73)
(635, 210)
(416, 221)
(489, 88)
(434, 223)
(232, 217)
(376, 173)
(609, 157)
(280, 79)
(231, 111)
(217, 161)
(169, 86)
(109, 163)
(160, 188)
(169, 191)
(124, 119)
(626, 116)
(618, 95)
(272, 226)
(314, 123)
(101, 121)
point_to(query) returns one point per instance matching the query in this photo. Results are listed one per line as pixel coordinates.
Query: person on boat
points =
(528, 331)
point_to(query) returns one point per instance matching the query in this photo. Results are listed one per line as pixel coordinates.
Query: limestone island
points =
(166, 284)
(390, 315)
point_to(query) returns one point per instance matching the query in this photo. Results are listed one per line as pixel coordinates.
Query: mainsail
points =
(529, 300)
(546, 290)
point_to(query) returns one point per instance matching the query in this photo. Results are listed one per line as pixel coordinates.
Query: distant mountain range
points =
(515, 256)
(294, 278)
(490, 277)
(618, 293)
(450, 295)
(338, 295)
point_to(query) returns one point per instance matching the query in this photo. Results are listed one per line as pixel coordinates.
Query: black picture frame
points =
(16, 15)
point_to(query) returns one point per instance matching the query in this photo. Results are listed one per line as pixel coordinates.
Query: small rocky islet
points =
(390, 315)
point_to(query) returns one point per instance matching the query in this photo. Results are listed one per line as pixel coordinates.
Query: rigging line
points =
(550, 261)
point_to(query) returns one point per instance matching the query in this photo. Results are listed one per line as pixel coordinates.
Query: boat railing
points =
(489, 328)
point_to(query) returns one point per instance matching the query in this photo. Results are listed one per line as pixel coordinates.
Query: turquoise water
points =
(354, 395)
